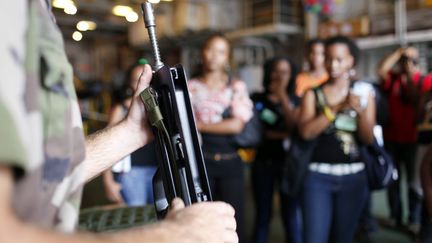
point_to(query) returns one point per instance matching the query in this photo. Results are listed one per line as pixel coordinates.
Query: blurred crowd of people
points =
(326, 103)
(45, 160)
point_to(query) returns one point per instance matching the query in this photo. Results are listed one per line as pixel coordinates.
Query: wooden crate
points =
(416, 20)
(266, 12)
(353, 28)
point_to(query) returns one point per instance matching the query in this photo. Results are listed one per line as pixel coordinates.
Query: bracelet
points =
(328, 113)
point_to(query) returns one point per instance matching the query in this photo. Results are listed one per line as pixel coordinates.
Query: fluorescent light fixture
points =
(77, 36)
(71, 9)
(158, 1)
(62, 3)
(121, 10)
(132, 17)
(84, 25)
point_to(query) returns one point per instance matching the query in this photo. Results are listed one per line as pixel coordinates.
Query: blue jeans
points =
(137, 186)
(265, 181)
(331, 206)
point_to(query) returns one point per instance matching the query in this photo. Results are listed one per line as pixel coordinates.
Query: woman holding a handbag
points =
(213, 92)
(335, 187)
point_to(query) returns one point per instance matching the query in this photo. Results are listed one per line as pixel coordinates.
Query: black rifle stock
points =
(181, 171)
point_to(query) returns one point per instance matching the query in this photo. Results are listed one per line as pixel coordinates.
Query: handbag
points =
(296, 164)
(297, 159)
(380, 168)
(251, 135)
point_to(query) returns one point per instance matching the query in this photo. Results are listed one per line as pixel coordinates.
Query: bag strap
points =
(420, 85)
(419, 89)
(320, 98)
(416, 90)
(392, 83)
(420, 82)
(230, 85)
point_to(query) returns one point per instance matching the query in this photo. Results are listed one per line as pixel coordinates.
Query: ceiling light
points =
(132, 17)
(71, 9)
(86, 25)
(77, 36)
(62, 3)
(158, 1)
(121, 10)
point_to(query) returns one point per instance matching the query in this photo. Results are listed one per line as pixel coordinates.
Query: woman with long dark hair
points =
(277, 112)
(316, 73)
(213, 93)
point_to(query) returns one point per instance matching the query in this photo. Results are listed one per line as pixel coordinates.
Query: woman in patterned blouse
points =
(213, 93)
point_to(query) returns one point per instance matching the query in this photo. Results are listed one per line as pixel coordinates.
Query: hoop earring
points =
(352, 73)
(227, 68)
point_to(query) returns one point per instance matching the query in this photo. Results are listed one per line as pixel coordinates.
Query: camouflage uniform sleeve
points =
(12, 84)
(12, 149)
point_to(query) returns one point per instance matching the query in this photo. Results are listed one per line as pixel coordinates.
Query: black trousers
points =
(426, 226)
(404, 155)
(226, 179)
(266, 176)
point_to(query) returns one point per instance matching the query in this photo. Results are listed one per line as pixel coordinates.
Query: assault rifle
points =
(181, 171)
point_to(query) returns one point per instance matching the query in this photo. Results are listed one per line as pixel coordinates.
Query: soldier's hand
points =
(136, 118)
(212, 222)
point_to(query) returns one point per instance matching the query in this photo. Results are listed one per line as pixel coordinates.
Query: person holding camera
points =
(403, 83)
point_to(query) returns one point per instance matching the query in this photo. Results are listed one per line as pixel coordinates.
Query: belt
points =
(337, 169)
(219, 156)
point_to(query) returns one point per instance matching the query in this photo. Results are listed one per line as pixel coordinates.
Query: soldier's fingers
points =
(230, 237)
(119, 198)
(220, 208)
(230, 223)
(177, 204)
(144, 80)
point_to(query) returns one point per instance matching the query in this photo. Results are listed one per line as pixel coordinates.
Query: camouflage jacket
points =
(41, 134)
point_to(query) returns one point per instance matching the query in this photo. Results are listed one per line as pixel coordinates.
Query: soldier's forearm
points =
(12, 229)
(107, 146)
(19, 232)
